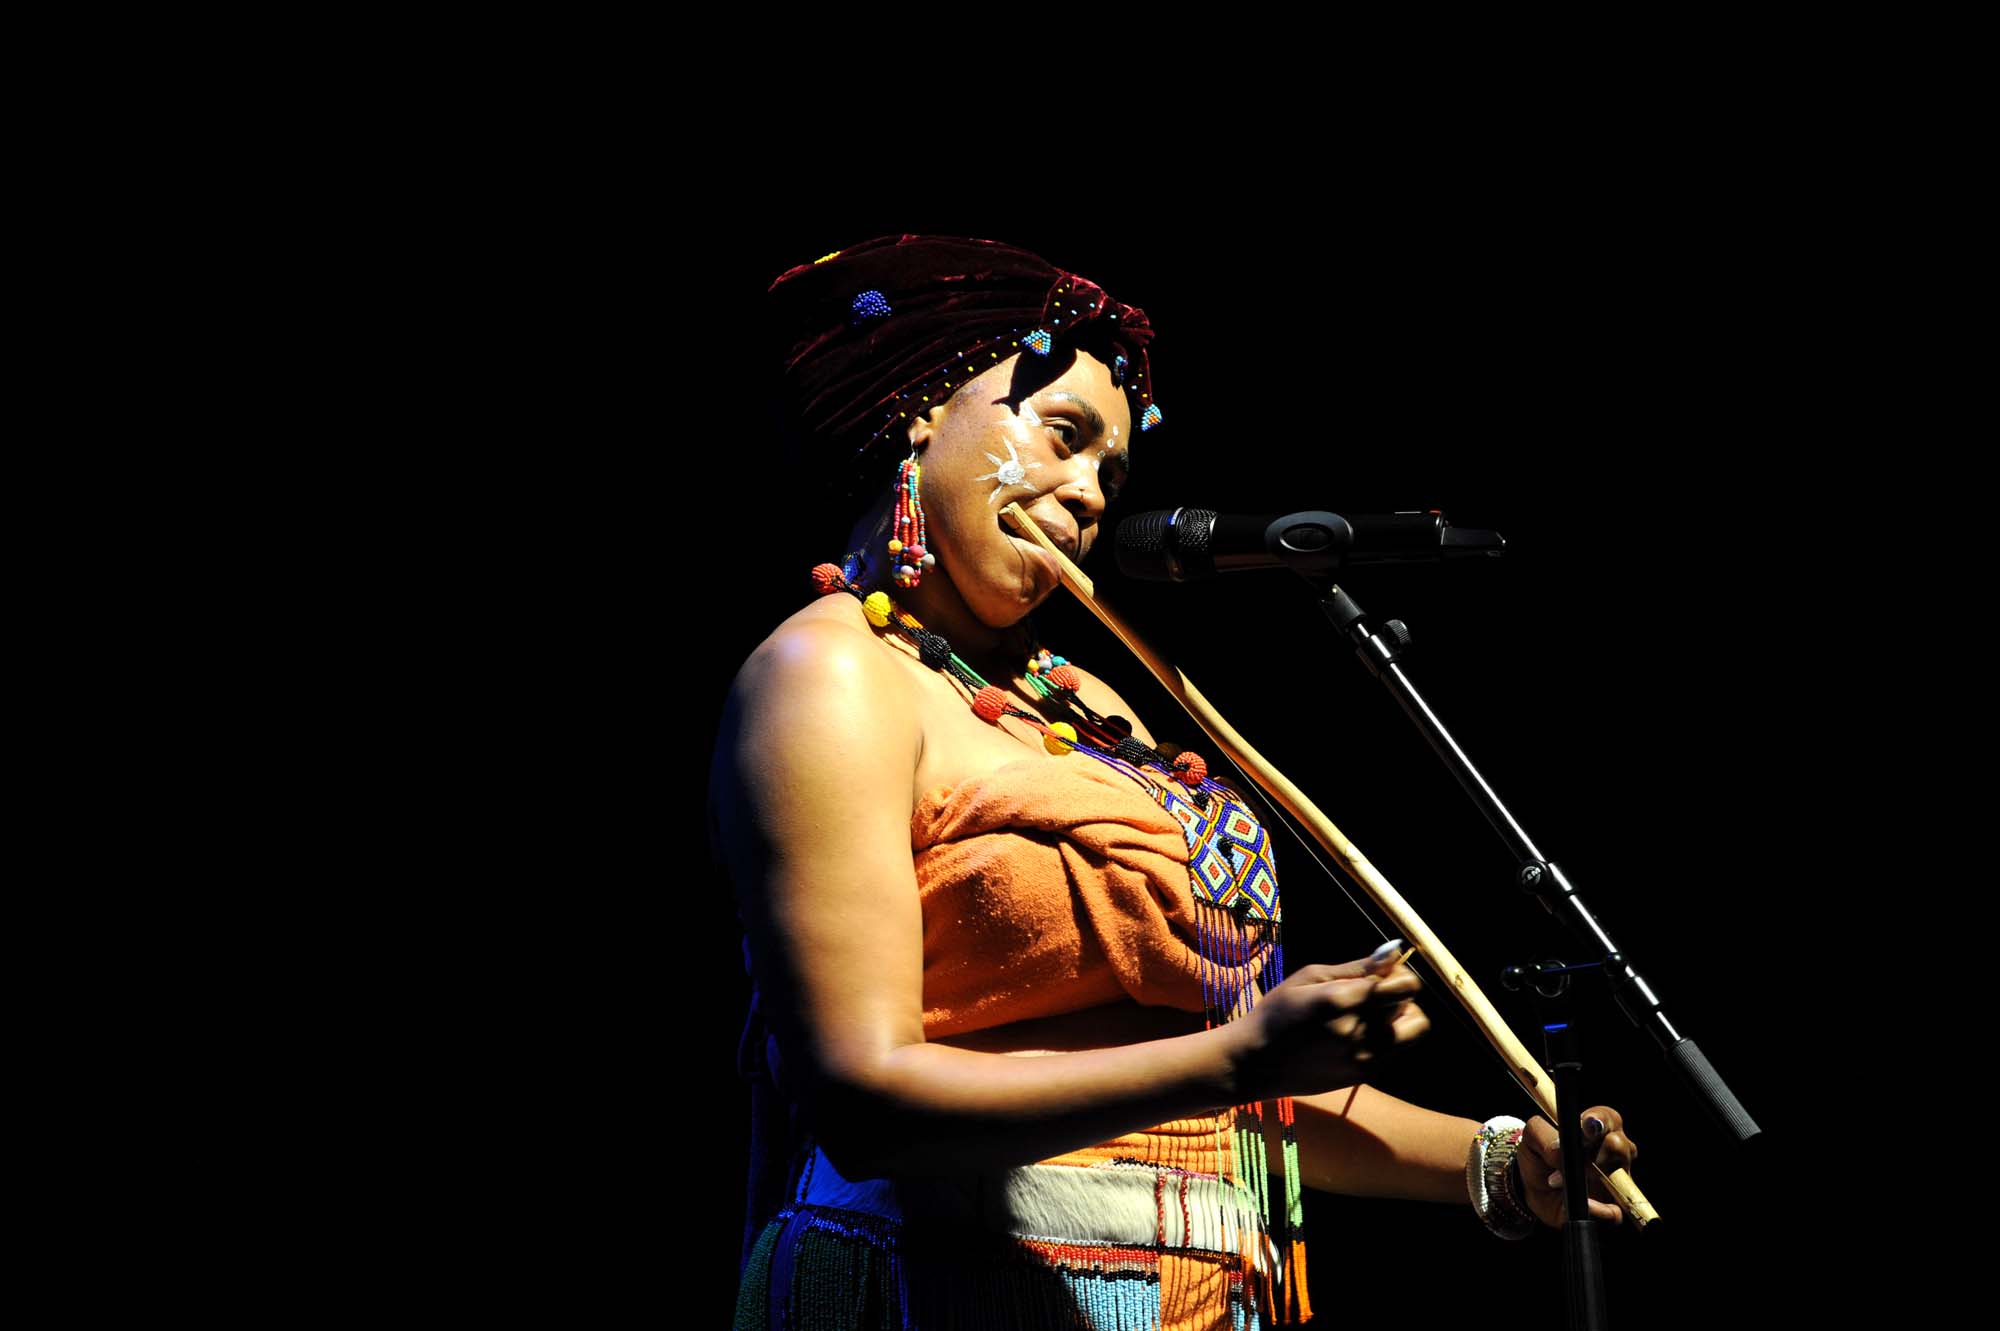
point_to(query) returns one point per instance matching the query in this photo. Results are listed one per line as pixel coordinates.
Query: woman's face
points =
(1056, 451)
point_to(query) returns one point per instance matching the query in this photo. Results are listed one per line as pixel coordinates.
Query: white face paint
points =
(1009, 473)
(1097, 459)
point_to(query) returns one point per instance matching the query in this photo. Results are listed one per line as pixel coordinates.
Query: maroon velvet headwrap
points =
(876, 332)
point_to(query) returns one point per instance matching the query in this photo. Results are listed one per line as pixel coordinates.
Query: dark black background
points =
(1676, 343)
(1628, 385)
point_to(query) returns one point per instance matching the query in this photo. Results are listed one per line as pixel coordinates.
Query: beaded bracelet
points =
(1494, 1181)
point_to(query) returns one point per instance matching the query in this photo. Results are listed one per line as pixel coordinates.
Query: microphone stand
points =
(1583, 1259)
(1382, 653)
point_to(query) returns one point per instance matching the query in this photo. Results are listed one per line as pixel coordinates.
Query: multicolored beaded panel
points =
(1229, 851)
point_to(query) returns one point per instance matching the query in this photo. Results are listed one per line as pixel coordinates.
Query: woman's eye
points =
(1065, 434)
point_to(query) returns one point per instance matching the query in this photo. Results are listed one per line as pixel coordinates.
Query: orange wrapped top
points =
(1049, 886)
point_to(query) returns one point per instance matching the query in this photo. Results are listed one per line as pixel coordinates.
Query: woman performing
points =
(1024, 1046)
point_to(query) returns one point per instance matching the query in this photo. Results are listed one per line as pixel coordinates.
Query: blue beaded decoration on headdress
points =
(870, 305)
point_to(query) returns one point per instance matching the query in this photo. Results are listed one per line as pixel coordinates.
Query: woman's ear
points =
(925, 424)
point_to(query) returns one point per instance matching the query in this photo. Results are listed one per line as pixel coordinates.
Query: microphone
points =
(1173, 545)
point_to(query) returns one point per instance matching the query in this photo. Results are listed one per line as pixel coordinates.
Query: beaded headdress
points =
(873, 334)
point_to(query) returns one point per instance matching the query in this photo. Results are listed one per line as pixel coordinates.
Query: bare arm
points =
(812, 784)
(1362, 1142)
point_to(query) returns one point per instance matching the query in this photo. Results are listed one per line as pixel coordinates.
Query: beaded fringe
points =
(1243, 957)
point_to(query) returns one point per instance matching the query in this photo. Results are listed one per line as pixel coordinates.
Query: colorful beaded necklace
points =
(1229, 866)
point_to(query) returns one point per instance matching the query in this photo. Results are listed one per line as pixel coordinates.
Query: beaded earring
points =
(909, 543)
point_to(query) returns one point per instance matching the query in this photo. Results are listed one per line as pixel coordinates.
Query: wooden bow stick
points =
(1526, 1069)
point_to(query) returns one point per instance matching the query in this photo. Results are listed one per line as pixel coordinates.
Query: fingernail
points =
(1556, 1179)
(1594, 1126)
(1382, 954)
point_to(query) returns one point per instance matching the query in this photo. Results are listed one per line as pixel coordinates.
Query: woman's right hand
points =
(1323, 1026)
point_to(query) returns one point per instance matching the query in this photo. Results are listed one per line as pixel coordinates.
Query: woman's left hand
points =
(1540, 1161)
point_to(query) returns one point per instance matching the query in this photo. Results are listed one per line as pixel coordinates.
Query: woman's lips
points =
(1062, 538)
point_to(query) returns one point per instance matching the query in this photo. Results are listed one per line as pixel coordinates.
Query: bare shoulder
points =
(824, 645)
(817, 705)
(1101, 697)
(810, 798)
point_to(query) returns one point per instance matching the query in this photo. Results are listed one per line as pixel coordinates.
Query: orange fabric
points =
(1048, 886)
(1052, 885)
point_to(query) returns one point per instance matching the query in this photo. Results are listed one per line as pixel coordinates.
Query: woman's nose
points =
(1081, 489)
